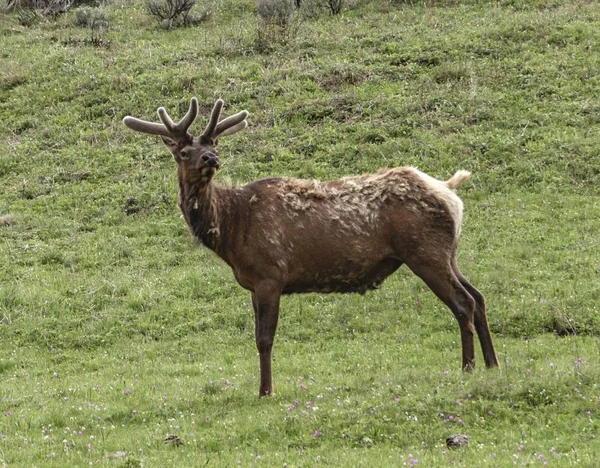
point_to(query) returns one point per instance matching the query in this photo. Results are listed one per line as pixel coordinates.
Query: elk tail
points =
(458, 179)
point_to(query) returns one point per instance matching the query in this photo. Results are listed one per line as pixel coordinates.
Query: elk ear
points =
(170, 143)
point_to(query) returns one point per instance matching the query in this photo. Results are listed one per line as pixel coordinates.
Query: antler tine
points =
(227, 126)
(168, 128)
(165, 119)
(146, 127)
(180, 129)
(214, 120)
(236, 128)
(192, 113)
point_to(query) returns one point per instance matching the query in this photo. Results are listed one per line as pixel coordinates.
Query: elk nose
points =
(211, 160)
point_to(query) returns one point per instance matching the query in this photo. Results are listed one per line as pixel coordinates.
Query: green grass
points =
(117, 331)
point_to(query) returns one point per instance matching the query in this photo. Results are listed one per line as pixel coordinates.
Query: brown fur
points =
(283, 235)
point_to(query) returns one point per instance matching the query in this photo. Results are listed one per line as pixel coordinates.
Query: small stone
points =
(457, 440)
(6, 221)
(173, 439)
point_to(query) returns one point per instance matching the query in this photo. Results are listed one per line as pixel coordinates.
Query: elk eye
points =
(184, 154)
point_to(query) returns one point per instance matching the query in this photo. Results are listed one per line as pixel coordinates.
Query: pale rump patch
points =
(445, 191)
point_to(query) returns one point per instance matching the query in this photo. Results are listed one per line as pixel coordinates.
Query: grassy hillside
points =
(117, 331)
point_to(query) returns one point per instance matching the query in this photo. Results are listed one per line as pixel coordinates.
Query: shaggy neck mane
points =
(205, 208)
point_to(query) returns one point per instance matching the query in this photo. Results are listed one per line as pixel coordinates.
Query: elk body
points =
(284, 235)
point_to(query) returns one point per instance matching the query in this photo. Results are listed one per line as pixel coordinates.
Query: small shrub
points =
(193, 19)
(92, 18)
(27, 17)
(276, 11)
(313, 8)
(335, 6)
(278, 22)
(49, 8)
(17, 5)
(173, 13)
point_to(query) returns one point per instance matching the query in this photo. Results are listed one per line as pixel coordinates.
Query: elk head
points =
(197, 160)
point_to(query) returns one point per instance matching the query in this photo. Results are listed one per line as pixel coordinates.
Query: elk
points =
(283, 235)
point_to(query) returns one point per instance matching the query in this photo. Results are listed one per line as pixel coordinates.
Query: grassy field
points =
(115, 330)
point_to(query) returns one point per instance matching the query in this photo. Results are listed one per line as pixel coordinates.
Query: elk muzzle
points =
(210, 160)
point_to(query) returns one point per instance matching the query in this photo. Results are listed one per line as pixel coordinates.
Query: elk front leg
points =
(265, 301)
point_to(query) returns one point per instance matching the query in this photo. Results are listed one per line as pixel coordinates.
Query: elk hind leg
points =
(481, 322)
(441, 279)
